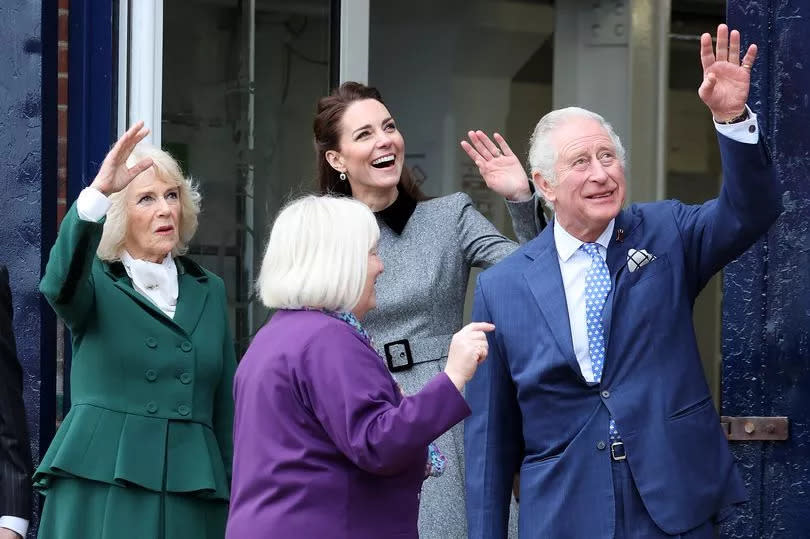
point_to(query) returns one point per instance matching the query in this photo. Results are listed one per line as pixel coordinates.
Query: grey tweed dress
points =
(420, 298)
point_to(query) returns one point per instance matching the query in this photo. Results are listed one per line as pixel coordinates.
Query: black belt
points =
(402, 355)
(617, 451)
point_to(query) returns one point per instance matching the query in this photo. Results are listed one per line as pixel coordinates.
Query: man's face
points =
(590, 187)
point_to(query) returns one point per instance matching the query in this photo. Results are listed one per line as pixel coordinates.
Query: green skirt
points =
(78, 508)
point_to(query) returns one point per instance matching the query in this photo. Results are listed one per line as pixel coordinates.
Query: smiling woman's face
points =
(153, 217)
(372, 150)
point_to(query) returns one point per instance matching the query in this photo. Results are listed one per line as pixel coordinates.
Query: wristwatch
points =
(741, 117)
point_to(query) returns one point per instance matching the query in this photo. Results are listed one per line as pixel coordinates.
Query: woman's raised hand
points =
(114, 174)
(498, 165)
(468, 348)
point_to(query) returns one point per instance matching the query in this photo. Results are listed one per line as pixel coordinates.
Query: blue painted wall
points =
(766, 312)
(91, 121)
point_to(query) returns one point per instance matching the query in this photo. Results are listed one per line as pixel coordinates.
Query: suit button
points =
(600, 445)
(151, 342)
(151, 375)
(151, 407)
(185, 346)
(183, 409)
(606, 394)
(185, 378)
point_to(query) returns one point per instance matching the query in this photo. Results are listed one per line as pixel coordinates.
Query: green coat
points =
(152, 405)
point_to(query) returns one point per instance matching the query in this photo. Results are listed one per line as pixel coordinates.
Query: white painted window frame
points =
(123, 66)
(140, 65)
(140, 58)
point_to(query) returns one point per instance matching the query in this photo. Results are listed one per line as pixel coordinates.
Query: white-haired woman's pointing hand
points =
(468, 348)
(114, 174)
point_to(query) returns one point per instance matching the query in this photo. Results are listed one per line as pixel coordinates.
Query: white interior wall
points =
(411, 63)
(448, 69)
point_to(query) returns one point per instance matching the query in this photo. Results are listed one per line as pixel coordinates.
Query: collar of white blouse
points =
(158, 282)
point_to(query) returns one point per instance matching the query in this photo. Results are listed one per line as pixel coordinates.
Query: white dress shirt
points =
(746, 131)
(156, 282)
(574, 262)
(15, 524)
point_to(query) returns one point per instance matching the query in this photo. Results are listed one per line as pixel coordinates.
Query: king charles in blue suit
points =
(593, 389)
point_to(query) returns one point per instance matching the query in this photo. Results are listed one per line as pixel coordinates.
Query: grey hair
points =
(317, 254)
(542, 152)
(165, 167)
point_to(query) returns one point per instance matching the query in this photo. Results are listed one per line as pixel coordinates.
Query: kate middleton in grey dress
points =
(428, 247)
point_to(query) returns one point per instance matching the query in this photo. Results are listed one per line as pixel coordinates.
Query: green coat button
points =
(151, 342)
(151, 375)
(183, 409)
(151, 407)
(185, 346)
(185, 378)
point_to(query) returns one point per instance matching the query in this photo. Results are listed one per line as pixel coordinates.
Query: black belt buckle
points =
(617, 451)
(398, 351)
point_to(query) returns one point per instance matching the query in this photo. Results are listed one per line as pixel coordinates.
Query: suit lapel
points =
(191, 297)
(625, 228)
(190, 300)
(122, 281)
(545, 282)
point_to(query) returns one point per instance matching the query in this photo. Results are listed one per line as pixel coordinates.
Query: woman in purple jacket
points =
(325, 444)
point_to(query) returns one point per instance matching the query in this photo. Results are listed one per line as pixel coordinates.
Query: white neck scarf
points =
(157, 282)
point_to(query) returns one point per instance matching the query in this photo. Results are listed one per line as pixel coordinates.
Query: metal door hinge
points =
(755, 428)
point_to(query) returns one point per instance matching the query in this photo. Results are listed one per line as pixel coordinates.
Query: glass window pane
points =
(237, 112)
(447, 67)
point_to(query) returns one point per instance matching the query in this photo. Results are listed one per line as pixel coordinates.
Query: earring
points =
(342, 176)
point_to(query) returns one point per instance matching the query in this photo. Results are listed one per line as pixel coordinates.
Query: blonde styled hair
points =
(317, 254)
(166, 168)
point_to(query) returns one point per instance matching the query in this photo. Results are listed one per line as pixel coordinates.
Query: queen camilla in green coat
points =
(145, 451)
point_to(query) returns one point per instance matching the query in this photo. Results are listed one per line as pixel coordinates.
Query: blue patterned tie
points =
(597, 288)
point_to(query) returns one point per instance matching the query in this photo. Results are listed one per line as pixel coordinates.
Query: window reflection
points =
(240, 82)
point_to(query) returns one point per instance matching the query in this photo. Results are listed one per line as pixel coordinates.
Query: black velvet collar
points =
(183, 264)
(397, 214)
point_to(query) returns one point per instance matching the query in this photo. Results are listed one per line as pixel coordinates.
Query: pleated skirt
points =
(78, 508)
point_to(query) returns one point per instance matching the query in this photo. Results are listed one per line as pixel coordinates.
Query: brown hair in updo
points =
(326, 128)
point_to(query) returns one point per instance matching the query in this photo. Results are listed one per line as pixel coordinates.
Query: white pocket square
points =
(637, 258)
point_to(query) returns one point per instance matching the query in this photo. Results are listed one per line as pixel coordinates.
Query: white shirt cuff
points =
(15, 524)
(746, 131)
(92, 205)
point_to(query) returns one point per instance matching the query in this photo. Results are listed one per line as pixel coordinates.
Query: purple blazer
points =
(324, 443)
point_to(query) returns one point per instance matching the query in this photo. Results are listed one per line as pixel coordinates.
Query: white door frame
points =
(140, 65)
